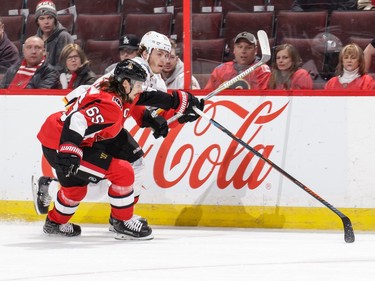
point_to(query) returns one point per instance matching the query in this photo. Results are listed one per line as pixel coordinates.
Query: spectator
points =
(173, 70)
(350, 71)
(54, 35)
(75, 68)
(245, 51)
(9, 53)
(369, 52)
(128, 47)
(286, 73)
(33, 72)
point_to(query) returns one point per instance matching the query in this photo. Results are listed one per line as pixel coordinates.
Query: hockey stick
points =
(348, 228)
(266, 55)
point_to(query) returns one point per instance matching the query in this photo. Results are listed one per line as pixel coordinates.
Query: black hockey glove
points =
(186, 103)
(68, 159)
(157, 123)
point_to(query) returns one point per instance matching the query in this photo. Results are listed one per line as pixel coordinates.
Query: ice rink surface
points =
(185, 254)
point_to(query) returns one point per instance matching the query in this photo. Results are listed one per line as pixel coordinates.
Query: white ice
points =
(185, 254)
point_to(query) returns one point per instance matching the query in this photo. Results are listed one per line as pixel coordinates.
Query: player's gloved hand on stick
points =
(69, 158)
(186, 103)
(157, 123)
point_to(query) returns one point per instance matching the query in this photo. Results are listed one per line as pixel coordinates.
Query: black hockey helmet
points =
(130, 70)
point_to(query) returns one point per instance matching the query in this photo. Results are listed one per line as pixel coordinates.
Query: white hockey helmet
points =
(154, 40)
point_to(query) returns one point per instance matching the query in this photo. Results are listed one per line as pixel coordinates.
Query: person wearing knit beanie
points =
(45, 8)
(52, 32)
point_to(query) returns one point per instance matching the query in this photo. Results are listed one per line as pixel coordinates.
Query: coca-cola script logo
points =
(207, 159)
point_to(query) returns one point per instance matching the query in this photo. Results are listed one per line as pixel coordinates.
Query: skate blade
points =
(120, 236)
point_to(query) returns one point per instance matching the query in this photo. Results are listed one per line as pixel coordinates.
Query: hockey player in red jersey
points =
(88, 143)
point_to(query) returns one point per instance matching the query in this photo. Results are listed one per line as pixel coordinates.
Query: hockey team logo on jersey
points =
(117, 101)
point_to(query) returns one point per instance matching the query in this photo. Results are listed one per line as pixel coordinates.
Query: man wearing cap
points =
(128, 46)
(54, 35)
(245, 51)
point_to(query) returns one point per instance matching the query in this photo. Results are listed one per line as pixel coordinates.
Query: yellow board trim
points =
(207, 215)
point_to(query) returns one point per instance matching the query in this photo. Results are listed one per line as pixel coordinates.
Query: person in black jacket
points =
(33, 72)
(75, 69)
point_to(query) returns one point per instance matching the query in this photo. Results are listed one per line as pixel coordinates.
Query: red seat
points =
(97, 7)
(210, 49)
(346, 24)
(281, 5)
(98, 27)
(203, 26)
(140, 24)
(142, 7)
(300, 24)
(5, 6)
(13, 27)
(196, 6)
(101, 54)
(201, 65)
(245, 6)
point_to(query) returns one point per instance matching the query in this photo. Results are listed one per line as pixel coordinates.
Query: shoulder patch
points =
(117, 101)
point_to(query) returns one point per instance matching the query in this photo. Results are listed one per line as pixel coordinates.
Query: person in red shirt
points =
(286, 70)
(245, 51)
(350, 71)
(86, 144)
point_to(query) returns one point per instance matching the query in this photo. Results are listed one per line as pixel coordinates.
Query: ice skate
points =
(67, 229)
(132, 229)
(137, 217)
(42, 199)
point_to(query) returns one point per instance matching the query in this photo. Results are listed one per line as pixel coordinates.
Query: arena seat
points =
(300, 24)
(139, 24)
(196, 6)
(98, 27)
(346, 24)
(204, 26)
(210, 49)
(97, 7)
(245, 6)
(13, 27)
(101, 54)
(5, 6)
(141, 6)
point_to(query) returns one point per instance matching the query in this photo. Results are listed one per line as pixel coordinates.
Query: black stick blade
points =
(348, 230)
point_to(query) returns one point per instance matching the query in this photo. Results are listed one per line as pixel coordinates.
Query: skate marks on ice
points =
(179, 253)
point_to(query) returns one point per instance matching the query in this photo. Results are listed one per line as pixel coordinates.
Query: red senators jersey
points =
(95, 116)
(258, 79)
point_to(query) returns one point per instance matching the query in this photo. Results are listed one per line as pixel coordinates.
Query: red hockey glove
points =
(68, 159)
